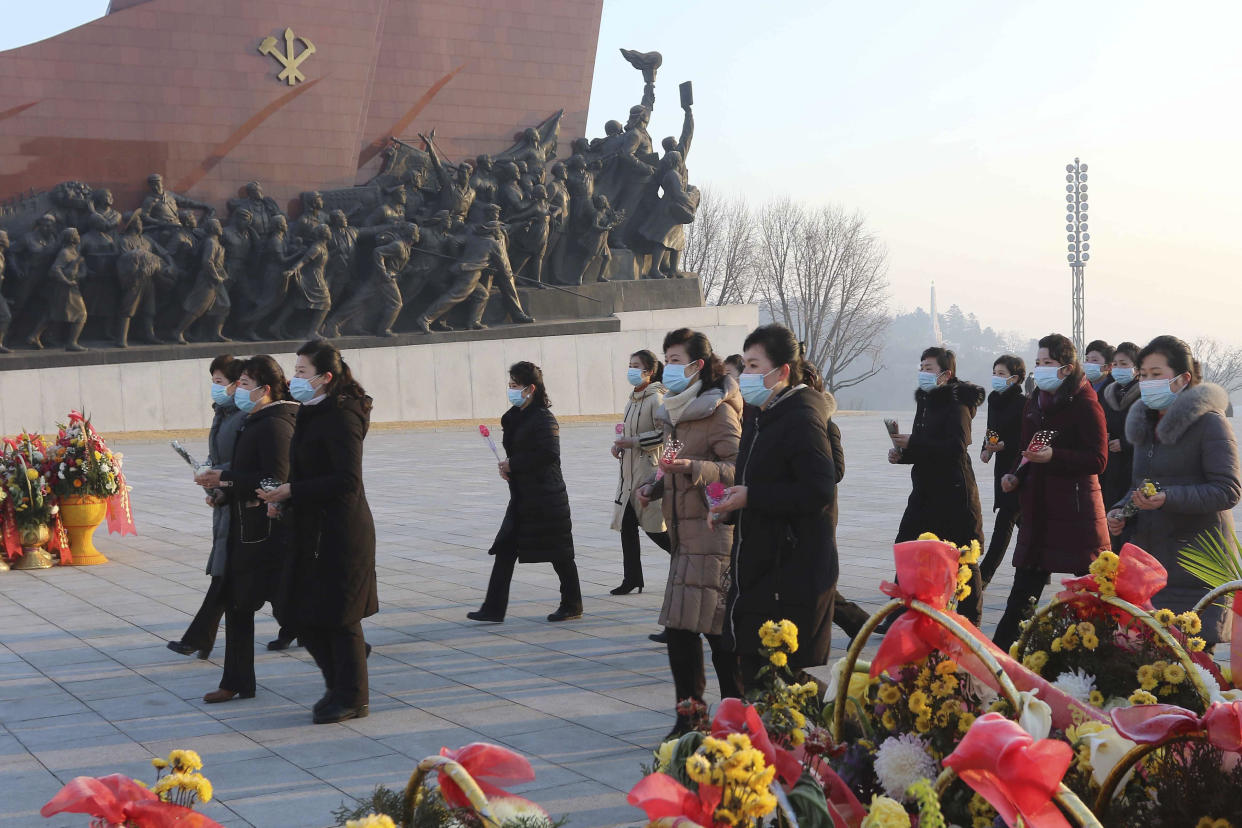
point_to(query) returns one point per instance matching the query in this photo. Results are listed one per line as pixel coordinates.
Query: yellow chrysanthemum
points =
(159, 764)
(944, 686)
(205, 791)
(1175, 674)
(778, 659)
(740, 741)
(32, 474)
(1096, 699)
(1148, 678)
(699, 769)
(1164, 616)
(965, 721)
(770, 635)
(923, 722)
(889, 693)
(886, 813)
(918, 703)
(1107, 588)
(888, 720)
(722, 748)
(947, 667)
(1055, 646)
(1190, 623)
(1142, 697)
(1085, 628)
(1035, 661)
(1195, 644)
(797, 736)
(1090, 641)
(372, 821)
(928, 536)
(789, 634)
(970, 554)
(185, 760)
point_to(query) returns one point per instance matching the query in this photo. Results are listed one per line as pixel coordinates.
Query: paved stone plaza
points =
(87, 686)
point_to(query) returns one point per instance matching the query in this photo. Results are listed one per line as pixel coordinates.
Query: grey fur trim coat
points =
(1191, 453)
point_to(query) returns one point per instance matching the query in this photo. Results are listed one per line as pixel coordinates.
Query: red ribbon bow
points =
(1014, 773)
(487, 764)
(1147, 724)
(119, 800)
(735, 716)
(926, 571)
(1139, 577)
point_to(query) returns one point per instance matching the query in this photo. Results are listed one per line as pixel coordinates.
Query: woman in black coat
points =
(331, 579)
(537, 527)
(1005, 405)
(1117, 398)
(784, 557)
(226, 423)
(256, 541)
(944, 499)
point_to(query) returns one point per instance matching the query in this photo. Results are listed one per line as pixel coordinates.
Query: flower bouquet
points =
(1039, 441)
(671, 449)
(1149, 488)
(80, 463)
(31, 516)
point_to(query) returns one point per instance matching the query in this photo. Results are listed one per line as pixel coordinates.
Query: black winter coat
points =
(537, 526)
(332, 574)
(1063, 526)
(784, 556)
(257, 543)
(1005, 418)
(944, 499)
(1116, 401)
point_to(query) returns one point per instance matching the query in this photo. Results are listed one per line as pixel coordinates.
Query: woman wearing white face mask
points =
(638, 450)
(537, 527)
(1062, 525)
(1182, 442)
(226, 423)
(1118, 398)
(1005, 405)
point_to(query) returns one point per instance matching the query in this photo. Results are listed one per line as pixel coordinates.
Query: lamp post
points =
(1079, 242)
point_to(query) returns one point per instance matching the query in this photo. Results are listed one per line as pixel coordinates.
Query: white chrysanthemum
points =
(1076, 683)
(1209, 682)
(900, 762)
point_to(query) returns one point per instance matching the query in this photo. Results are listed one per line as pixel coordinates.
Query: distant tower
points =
(1078, 238)
(937, 336)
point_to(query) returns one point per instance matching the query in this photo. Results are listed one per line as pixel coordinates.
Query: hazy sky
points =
(949, 126)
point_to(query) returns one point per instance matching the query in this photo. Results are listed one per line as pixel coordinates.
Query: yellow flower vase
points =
(34, 548)
(81, 516)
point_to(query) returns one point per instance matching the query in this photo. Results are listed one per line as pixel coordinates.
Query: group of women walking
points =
(1071, 460)
(291, 525)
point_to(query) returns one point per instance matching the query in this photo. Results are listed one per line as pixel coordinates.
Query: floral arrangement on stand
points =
(31, 515)
(81, 463)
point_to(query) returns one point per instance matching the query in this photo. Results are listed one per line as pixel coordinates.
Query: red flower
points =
(484, 430)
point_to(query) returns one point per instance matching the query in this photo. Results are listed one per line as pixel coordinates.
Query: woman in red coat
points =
(1063, 525)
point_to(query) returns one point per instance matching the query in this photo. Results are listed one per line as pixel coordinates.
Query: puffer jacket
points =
(698, 578)
(1191, 452)
(639, 464)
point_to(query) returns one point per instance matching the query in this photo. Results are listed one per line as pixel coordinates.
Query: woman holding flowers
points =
(1183, 444)
(537, 527)
(703, 412)
(226, 424)
(330, 582)
(256, 541)
(784, 545)
(637, 447)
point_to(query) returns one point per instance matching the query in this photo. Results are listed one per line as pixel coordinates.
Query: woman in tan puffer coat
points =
(703, 411)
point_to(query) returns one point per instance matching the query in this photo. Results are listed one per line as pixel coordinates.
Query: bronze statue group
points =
(402, 253)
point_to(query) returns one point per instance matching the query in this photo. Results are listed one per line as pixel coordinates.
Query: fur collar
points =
(1120, 397)
(831, 403)
(960, 391)
(1185, 411)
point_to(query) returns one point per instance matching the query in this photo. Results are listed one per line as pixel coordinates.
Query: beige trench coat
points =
(698, 576)
(638, 465)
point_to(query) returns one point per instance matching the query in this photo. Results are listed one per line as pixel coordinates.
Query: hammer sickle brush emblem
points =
(290, 59)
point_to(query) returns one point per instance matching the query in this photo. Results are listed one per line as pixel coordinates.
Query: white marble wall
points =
(585, 374)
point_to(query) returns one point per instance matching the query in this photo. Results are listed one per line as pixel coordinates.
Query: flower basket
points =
(457, 771)
(1235, 652)
(81, 516)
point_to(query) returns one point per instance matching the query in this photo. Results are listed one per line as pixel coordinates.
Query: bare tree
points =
(1221, 364)
(720, 247)
(824, 276)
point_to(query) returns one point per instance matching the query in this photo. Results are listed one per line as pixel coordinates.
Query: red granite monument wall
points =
(179, 87)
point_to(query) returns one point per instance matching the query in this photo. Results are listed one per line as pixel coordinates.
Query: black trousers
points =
(631, 550)
(1007, 517)
(848, 616)
(1027, 584)
(201, 634)
(341, 654)
(497, 600)
(238, 651)
(685, 659)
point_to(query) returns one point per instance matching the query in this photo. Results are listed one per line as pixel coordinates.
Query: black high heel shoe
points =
(626, 589)
(182, 648)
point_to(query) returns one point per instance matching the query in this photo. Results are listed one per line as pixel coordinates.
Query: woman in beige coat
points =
(703, 411)
(638, 450)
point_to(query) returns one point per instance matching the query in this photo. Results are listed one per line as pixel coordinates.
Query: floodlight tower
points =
(1079, 242)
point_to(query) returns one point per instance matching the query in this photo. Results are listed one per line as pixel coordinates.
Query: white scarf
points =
(676, 404)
